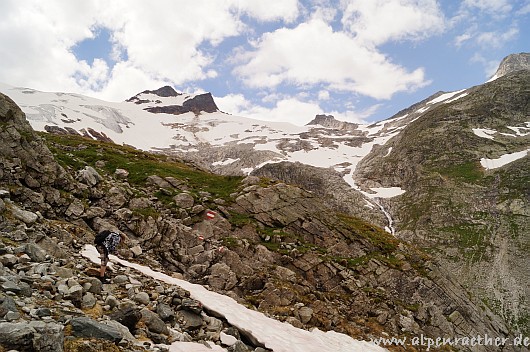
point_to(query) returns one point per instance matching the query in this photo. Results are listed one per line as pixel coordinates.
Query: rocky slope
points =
(464, 166)
(272, 246)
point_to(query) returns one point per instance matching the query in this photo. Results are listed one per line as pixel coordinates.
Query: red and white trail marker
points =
(221, 249)
(201, 238)
(210, 214)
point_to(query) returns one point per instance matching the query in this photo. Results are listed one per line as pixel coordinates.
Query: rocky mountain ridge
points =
(464, 167)
(513, 63)
(285, 252)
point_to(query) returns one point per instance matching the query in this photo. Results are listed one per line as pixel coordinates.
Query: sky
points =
(277, 60)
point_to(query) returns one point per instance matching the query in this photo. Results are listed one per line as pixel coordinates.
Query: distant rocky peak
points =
(329, 121)
(163, 92)
(323, 120)
(512, 63)
(166, 91)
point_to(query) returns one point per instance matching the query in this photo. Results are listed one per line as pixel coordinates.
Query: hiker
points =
(106, 243)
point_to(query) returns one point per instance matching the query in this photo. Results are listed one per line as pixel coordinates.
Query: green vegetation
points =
(472, 240)
(76, 152)
(383, 241)
(469, 172)
(239, 219)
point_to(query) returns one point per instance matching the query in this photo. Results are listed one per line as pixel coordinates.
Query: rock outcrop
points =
(330, 122)
(512, 63)
(471, 217)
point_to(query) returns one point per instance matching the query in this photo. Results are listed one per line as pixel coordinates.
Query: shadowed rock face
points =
(24, 158)
(202, 102)
(165, 91)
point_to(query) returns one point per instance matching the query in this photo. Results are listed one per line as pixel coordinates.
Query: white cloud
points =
(125, 81)
(287, 109)
(290, 109)
(35, 38)
(461, 39)
(490, 66)
(376, 22)
(498, 7)
(286, 10)
(525, 10)
(496, 40)
(323, 95)
(153, 42)
(312, 53)
(233, 103)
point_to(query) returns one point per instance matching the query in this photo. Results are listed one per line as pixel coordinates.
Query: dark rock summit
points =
(166, 91)
(197, 104)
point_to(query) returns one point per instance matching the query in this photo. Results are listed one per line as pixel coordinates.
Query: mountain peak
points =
(329, 121)
(512, 63)
(165, 91)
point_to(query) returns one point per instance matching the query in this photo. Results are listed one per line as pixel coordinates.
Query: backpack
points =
(100, 237)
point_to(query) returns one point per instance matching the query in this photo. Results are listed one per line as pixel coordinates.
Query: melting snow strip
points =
(273, 334)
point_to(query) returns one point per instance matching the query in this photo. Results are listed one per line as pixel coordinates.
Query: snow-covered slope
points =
(217, 138)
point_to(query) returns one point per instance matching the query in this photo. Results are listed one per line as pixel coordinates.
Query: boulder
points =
(32, 336)
(127, 315)
(89, 176)
(158, 181)
(28, 217)
(86, 327)
(121, 173)
(153, 322)
(184, 200)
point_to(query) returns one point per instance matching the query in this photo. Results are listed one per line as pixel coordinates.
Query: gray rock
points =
(124, 331)
(76, 208)
(2, 206)
(184, 200)
(121, 279)
(153, 322)
(8, 260)
(121, 173)
(35, 252)
(89, 176)
(28, 217)
(222, 277)
(158, 181)
(11, 316)
(142, 298)
(16, 335)
(75, 293)
(189, 320)
(88, 301)
(140, 203)
(49, 337)
(128, 315)
(86, 327)
(165, 312)
(32, 336)
(239, 347)
(192, 305)
(10, 286)
(136, 250)
(112, 301)
(305, 314)
(7, 305)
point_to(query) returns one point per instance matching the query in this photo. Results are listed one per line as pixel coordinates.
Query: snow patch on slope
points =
(505, 159)
(273, 334)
